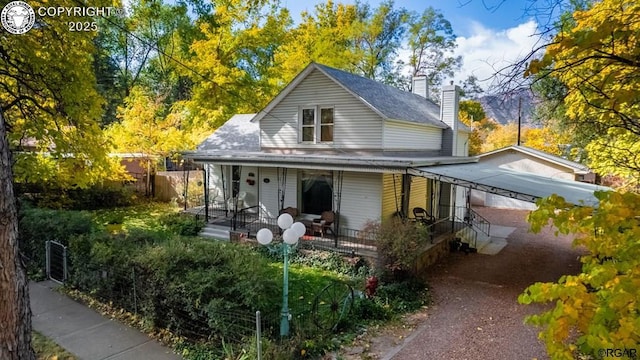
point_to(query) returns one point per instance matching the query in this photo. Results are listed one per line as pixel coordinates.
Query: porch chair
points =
(216, 197)
(423, 216)
(291, 211)
(239, 199)
(324, 223)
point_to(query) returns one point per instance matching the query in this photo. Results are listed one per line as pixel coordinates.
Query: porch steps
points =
(487, 244)
(215, 232)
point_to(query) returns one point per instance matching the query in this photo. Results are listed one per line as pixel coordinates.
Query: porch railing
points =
(478, 222)
(347, 240)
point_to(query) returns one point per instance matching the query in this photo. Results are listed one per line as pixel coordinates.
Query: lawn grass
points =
(143, 216)
(46, 349)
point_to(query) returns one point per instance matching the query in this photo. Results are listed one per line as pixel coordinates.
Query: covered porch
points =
(244, 225)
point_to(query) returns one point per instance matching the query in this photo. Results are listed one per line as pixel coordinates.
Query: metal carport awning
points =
(510, 183)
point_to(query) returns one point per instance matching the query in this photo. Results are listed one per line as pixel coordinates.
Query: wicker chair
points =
(423, 216)
(291, 211)
(324, 224)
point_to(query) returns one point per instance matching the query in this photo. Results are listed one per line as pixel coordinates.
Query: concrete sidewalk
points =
(87, 334)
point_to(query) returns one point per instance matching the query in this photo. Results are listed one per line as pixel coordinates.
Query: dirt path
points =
(475, 314)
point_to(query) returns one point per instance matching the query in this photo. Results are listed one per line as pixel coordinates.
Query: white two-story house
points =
(335, 141)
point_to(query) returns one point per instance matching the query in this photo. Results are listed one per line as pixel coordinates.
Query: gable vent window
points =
(316, 124)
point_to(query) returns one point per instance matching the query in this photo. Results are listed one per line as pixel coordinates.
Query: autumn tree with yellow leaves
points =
(48, 95)
(595, 58)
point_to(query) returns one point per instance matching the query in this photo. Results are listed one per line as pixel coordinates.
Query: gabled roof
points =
(572, 165)
(238, 133)
(388, 102)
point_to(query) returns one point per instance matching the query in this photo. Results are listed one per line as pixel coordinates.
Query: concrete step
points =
(216, 232)
(491, 245)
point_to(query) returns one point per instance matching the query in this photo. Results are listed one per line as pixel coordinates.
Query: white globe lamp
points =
(284, 221)
(299, 228)
(264, 236)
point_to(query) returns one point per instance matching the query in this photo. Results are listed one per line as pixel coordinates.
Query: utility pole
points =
(519, 118)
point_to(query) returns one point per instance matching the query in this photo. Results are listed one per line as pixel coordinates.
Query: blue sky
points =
(491, 33)
(495, 14)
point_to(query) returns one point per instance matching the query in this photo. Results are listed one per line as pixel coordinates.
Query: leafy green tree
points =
(431, 42)
(326, 36)
(232, 62)
(470, 88)
(598, 308)
(144, 48)
(380, 35)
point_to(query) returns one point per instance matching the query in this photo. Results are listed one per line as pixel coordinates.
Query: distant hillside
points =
(504, 108)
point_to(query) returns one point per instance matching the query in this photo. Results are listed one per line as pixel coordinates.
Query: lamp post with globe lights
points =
(290, 235)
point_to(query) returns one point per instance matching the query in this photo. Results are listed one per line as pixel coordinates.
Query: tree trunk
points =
(15, 311)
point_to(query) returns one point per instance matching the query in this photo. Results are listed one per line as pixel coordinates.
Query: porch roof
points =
(510, 183)
(357, 161)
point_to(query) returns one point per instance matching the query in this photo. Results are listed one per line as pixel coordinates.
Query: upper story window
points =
(316, 124)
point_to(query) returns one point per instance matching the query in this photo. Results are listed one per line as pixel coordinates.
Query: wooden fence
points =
(170, 186)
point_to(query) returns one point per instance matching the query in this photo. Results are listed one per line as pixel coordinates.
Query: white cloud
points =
(487, 50)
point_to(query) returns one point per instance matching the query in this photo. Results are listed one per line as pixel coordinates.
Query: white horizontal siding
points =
(462, 144)
(214, 172)
(519, 162)
(251, 198)
(400, 136)
(522, 162)
(360, 199)
(355, 124)
(269, 191)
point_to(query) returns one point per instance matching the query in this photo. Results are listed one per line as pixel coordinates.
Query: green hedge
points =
(182, 224)
(187, 285)
(37, 226)
(93, 198)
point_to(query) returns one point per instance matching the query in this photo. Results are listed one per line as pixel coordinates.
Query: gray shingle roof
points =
(238, 133)
(390, 102)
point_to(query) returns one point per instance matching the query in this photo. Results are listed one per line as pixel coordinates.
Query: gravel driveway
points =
(475, 313)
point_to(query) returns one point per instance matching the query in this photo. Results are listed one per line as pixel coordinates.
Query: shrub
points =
(404, 296)
(399, 244)
(193, 287)
(92, 198)
(37, 226)
(182, 224)
(331, 261)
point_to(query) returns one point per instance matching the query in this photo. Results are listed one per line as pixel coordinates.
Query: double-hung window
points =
(316, 124)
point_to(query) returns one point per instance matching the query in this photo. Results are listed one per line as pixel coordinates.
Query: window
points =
(326, 124)
(308, 124)
(316, 191)
(316, 124)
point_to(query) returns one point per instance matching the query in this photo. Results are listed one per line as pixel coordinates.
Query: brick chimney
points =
(449, 115)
